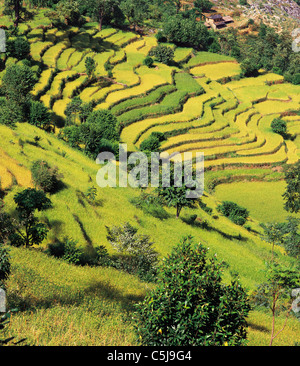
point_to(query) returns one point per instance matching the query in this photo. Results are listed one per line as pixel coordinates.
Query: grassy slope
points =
(64, 303)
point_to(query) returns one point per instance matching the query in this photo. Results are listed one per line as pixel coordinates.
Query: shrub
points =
(137, 253)
(296, 79)
(18, 48)
(234, 212)
(39, 115)
(162, 54)
(148, 61)
(72, 253)
(152, 144)
(67, 249)
(191, 306)
(279, 126)
(45, 177)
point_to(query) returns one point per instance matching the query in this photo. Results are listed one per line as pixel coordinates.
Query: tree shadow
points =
(203, 224)
(97, 289)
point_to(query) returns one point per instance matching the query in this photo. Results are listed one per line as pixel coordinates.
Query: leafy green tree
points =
(191, 305)
(273, 234)
(39, 115)
(28, 230)
(17, 83)
(73, 110)
(279, 126)
(291, 195)
(275, 293)
(186, 32)
(162, 54)
(68, 10)
(250, 67)
(8, 117)
(103, 9)
(203, 5)
(135, 11)
(148, 61)
(18, 48)
(174, 196)
(90, 66)
(14, 7)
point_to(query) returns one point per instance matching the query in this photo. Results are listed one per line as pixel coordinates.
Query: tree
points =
(135, 11)
(203, 6)
(291, 195)
(90, 66)
(279, 126)
(39, 115)
(162, 54)
(250, 67)
(28, 230)
(191, 306)
(186, 32)
(73, 110)
(17, 83)
(174, 196)
(273, 234)
(18, 48)
(68, 10)
(102, 9)
(14, 7)
(275, 292)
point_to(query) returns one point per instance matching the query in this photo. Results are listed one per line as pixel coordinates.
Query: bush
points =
(45, 177)
(67, 249)
(234, 212)
(152, 144)
(162, 54)
(296, 79)
(148, 61)
(137, 253)
(279, 126)
(39, 115)
(18, 48)
(191, 306)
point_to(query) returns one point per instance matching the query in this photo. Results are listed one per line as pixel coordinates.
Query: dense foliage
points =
(191, 306)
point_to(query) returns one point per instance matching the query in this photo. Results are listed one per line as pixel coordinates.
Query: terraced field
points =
(200, 103)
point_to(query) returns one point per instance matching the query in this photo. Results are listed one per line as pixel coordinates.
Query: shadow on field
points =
(67, 296)
(258, 327)
(203, 224)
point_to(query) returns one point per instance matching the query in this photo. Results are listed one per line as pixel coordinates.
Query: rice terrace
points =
(83, 265)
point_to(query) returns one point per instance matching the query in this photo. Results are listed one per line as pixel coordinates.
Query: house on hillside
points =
(217, 21)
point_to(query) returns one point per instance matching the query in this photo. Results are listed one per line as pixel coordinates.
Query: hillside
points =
(200, 103)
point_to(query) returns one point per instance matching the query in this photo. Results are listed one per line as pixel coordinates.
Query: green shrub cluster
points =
(234, 212)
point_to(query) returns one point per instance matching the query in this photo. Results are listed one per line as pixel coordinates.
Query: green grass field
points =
(263, 199)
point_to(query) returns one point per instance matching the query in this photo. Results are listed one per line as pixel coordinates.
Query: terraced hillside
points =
(199, 103)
